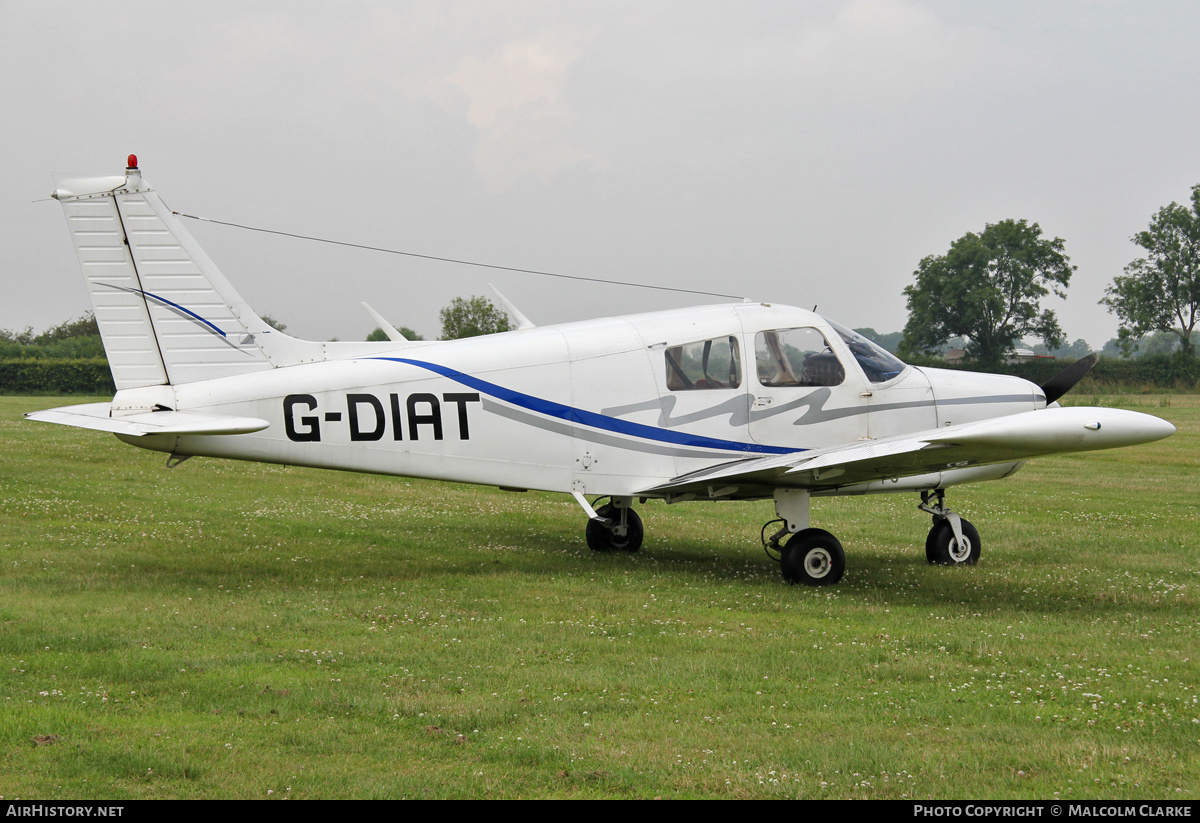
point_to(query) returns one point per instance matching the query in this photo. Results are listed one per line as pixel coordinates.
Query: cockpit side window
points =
(879, 364)
(796, 357)
(707, 364)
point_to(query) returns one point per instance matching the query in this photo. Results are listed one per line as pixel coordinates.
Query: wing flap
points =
(95, 416)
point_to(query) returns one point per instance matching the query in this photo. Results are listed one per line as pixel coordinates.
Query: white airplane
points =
(726, 402)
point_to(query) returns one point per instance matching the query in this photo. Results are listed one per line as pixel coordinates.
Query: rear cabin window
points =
(796, 357)
(708, 364)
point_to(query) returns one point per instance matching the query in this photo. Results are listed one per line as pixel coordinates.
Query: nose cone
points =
(1154, 428)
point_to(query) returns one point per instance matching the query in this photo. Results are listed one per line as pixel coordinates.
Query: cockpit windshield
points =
(879, 364)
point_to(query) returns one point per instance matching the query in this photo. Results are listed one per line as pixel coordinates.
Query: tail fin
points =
(166, 313)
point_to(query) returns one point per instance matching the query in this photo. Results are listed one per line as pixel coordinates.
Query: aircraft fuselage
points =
(596, 406)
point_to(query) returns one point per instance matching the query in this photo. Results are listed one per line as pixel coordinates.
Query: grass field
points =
(246, 631)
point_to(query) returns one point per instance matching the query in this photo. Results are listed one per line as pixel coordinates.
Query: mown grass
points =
(248, 631)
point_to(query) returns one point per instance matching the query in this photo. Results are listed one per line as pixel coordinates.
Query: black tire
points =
(942, 549)
(601, 539)
(931, 540)
(813, 557)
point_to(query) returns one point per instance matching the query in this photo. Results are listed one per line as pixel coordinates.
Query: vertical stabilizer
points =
(166, 313)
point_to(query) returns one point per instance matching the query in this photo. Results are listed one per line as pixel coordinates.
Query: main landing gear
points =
(616, 527)
(813, 557)
(952, 541)
(810, 556)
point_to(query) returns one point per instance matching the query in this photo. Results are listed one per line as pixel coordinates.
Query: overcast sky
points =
(796, 152)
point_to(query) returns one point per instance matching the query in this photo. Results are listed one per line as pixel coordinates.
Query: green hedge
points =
(1166, 371)
(80, 376)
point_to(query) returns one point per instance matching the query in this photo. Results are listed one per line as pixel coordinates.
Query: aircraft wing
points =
(998, 440)
(96, 416)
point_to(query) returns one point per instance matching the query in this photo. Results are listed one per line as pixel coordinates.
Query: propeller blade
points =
(1065, 380)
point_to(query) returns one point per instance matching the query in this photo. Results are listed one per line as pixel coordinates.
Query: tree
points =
(1161, 292)
(889, 341)
(1157, 343)
(73, 339)
(83, 326)
(379, 334)
(1080, 348)
(987, 287)
(471, 317)
(273, 323)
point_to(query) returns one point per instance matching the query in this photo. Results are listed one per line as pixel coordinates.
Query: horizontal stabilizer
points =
(96, 416)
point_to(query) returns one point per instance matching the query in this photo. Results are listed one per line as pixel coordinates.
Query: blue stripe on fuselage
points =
(587, 418)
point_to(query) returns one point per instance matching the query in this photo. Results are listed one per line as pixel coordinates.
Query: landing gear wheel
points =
(601, 538)
(931, 541)
(813, 557)
(942, 549)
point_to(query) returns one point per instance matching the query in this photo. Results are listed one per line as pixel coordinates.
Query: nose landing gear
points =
(952, 541)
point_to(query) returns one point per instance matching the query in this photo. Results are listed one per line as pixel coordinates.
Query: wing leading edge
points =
(1000, 440)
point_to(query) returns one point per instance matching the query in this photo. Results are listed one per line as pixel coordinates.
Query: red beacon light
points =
(132, 161)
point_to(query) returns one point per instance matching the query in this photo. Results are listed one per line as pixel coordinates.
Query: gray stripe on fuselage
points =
(819, 415)
(592, 436)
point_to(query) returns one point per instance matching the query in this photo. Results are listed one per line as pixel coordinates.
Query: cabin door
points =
(802, 393)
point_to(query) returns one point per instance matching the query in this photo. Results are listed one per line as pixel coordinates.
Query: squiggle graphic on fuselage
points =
(740, 412)
(738, 409)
